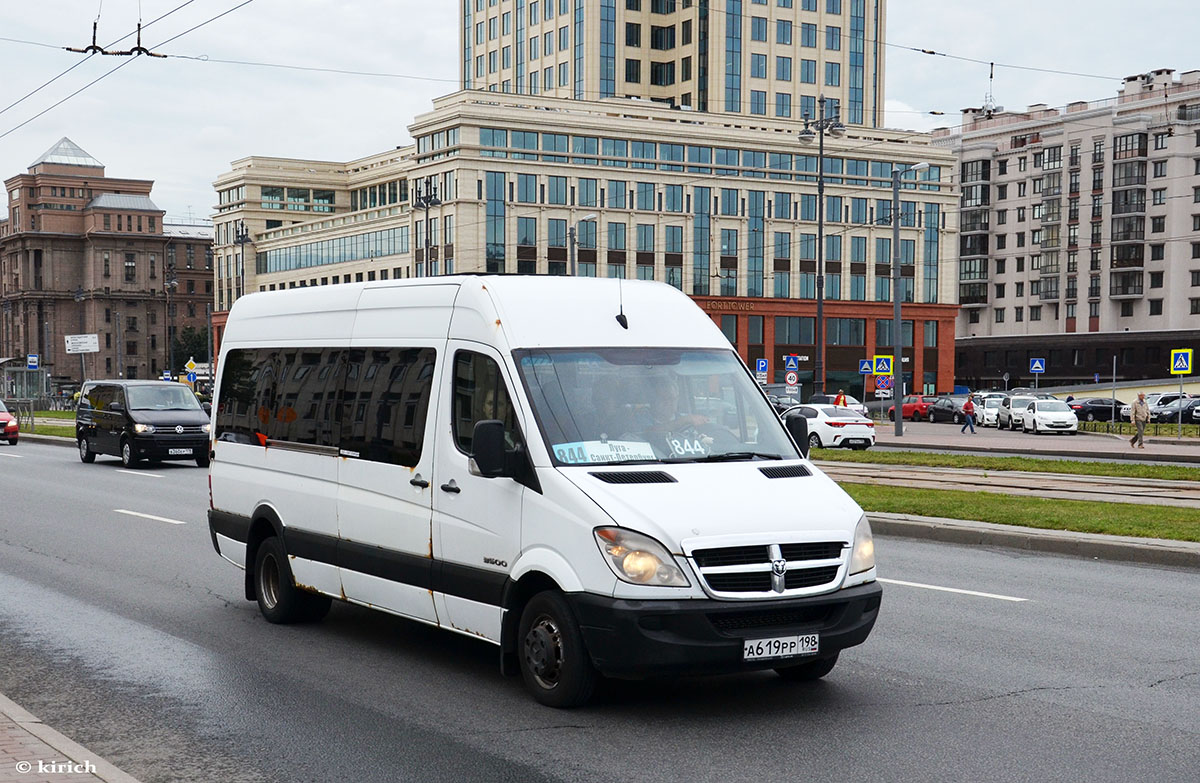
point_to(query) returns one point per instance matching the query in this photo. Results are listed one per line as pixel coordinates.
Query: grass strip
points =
(70, 415)
(1034, 464)
(52, 429)
(1081, 516)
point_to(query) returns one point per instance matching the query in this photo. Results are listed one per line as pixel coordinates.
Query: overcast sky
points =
(181, 122)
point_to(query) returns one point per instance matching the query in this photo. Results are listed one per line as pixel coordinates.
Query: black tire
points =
(12, 441)
(891, 415)
(807, 672)
(957, 419)
(814, 441)
(916, 416)
(85, 451)
(554, 661)
(129, 457)
(1091, 416)
(202, 460)
(930, 416)
(279, 600)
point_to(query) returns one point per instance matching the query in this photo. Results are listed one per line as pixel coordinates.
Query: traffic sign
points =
(1037, 366)
(191, 376)
(166, 376)
(791, 363)
(865, 368)
(32, 361)
(82, 343)
(883, 364)
(191, 365)
(883, 381)
(1181, 361)
(791, 377)
(760, 365)
(1096, 378)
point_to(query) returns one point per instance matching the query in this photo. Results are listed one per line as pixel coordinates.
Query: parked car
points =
(1170, 411)
(1096, 408)
(988, 411)
(831, 427)
(913, 406)
(1048, 416)
(8, 426)
(137, 420)
(781, 402)
(1008, 416)
(946, 408)
(828, 399)
(1152, 399)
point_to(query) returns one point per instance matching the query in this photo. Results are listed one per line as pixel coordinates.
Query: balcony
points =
(1049, 296)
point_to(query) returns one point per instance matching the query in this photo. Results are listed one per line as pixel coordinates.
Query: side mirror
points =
(488, 457)
(116, 407)
(207, 406)
(797, 427)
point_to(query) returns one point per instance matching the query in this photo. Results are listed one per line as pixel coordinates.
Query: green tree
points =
(190, 341)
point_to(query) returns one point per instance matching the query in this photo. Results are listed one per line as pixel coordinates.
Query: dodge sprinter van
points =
(580, 471)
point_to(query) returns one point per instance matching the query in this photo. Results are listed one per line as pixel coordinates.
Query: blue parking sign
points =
(760, 365)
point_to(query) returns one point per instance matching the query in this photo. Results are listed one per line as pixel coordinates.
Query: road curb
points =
(53, 440)
(73, 751)
(1120, 456)
(1127, 549)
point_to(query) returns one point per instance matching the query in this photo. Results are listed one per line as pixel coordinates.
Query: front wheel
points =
(807, 672)
(202, 460)
(85, 451)
(957, 419)
(554, 662)
(930, 417)
(129, 457)
(12, 441)
(814, 441)
(1091, 416)
(891, 415)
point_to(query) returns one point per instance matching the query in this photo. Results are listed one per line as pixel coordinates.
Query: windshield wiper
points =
(731, 456)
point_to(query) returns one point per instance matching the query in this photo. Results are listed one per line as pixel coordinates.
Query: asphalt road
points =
(131, 636)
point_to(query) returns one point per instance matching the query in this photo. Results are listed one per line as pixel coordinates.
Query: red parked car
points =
(8, 426)
(914, 407)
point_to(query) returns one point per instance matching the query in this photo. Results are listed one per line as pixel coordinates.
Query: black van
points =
(137, 420)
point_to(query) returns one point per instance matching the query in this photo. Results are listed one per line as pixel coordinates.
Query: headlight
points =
(143, 428)
(863, 558)
(638, 559)
(205, 427)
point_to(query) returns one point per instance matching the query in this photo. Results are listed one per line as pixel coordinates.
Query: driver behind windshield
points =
(665, 415)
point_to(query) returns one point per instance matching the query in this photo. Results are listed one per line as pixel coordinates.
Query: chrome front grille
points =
(771, 570)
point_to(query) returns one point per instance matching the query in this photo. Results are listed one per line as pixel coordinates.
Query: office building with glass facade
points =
(720, 208)
(764, 58)
(1080, 234)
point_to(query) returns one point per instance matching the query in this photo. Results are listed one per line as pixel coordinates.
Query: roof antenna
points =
(989, 101)
(621, 319)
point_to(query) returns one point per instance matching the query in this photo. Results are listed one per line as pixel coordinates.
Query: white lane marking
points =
(140, 473)
(6, 454)
(149, 516)
(954, 590)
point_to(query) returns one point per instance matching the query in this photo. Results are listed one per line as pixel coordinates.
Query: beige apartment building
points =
(723, 207)
(767, 58)
(1080, 234)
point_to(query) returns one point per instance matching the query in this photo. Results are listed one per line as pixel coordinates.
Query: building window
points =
(1000, 315)
(1156, 306)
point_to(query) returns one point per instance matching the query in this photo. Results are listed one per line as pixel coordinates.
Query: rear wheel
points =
(930, 417)
(279, 600)
(807, 672)
(814, 441)
(554, 662)
(1091, 416)
(85, 451)
(916, 416)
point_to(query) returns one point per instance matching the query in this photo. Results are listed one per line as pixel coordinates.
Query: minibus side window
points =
(385, 403)
(479, 394)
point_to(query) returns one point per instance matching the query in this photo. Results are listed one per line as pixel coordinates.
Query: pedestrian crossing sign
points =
(1181, 361)
(1037, 366)
(883, 365)
(791, 362)
(865, 368)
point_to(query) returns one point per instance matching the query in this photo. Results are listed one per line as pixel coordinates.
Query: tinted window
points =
(479, 394)
(98, 397)
(285, 395)
(167, 397)
(386, 402)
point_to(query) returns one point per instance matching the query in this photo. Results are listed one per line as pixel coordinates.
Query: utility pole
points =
(120, 344)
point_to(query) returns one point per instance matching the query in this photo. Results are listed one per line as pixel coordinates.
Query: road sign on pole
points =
(883, 381)
(82, 343)
(791, 378)
(883, 364)
(791, 362)
(865, 368)
(760, 370)
(1037, 366)
(33, 361)
(1181, 361)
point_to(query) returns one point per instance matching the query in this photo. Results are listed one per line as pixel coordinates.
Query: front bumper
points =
(639, 639)
(160, 446)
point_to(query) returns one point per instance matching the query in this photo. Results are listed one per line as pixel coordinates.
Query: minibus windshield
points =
(173, 397)
(629, 405)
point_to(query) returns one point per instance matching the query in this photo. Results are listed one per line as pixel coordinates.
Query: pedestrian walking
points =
(968, 410)
(1140, 414)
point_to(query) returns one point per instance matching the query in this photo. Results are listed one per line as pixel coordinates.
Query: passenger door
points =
(477, 520)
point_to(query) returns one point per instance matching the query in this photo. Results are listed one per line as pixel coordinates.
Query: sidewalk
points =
(32, 752)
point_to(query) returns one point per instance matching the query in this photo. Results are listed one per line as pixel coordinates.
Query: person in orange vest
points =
(840, 400)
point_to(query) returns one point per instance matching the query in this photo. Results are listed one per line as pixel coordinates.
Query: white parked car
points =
(1049, 416)
(1008, 415)
(988, 411)
(832, 427)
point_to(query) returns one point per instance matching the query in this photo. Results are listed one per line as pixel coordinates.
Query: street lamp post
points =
(572, 240)
(816, 130)
(897, 323)
(425, 200)
(79, 297)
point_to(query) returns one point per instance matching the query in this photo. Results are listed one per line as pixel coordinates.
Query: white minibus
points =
(579, 471)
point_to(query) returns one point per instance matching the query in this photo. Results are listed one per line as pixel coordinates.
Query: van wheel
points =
(806, 672)
(202, 460)
(85, 451)
(554, 663)
(279, 600)
(129, 457)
